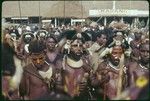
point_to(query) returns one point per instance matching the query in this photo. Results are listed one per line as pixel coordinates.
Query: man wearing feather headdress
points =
(111, 74)
(76, 70)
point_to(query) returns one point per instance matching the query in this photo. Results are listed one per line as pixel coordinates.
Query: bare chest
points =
(51, 56)
(72, 78)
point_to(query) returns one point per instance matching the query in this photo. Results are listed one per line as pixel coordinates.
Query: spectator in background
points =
(134, 44)
(19, 30)
(53, 55)
(97, 48)
(13, 30)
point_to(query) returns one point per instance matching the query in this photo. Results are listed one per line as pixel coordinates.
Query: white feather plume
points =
(16, 78)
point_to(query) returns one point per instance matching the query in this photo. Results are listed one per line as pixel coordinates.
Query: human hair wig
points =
(37, 46)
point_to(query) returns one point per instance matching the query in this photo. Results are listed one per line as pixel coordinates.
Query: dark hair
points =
(37, 46)
(100, 33)
(87, 36)
(75, 38)
(52, 36)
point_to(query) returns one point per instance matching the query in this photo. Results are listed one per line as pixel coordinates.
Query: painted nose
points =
(117, 56)
(79, 49)
(38, 61)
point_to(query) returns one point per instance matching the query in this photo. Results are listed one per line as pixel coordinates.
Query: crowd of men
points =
(88, 62)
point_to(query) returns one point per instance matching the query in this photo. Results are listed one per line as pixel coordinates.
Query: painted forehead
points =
(28, 35)
(118, 48)
(38, 54)
(119, 33)
(77, 41)
(42, 34)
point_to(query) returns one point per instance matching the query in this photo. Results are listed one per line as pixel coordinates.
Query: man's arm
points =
(100, 76)
(24, 86)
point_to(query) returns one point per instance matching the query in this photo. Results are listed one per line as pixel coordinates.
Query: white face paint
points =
(115, 57)
(77, 47)
(79, 35)
(118, 42)
(13, 35)
(42, 34)
(27, 36)
(26, 48)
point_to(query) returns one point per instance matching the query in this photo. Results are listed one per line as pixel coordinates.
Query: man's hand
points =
(83, 83)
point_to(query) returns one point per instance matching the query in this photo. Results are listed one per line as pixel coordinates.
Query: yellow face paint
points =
(141, 81)
(38, 58)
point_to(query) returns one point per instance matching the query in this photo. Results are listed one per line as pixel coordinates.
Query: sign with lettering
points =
(117, 12)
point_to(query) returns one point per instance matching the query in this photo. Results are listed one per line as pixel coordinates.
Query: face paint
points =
(77, 47)
(38, 59)
(116, 55)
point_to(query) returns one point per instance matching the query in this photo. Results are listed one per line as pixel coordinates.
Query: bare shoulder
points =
(131, 65)
(27, 69)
